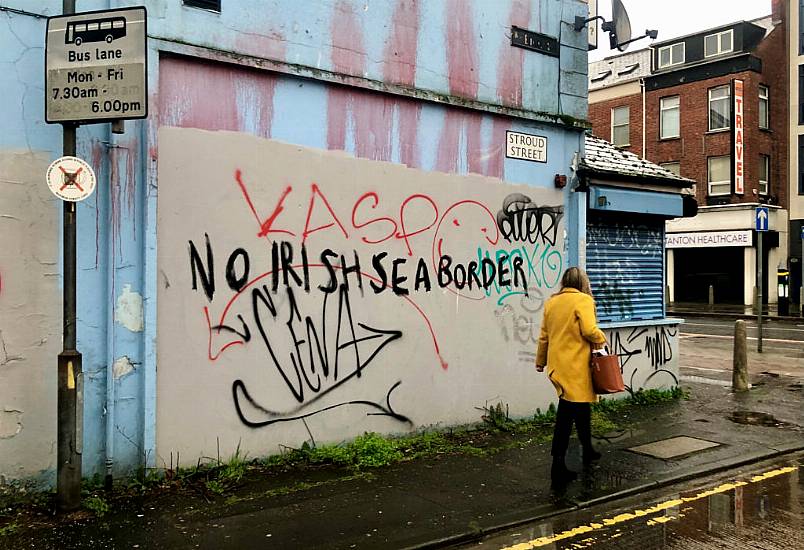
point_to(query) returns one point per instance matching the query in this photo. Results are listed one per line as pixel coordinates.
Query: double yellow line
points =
(636, 514)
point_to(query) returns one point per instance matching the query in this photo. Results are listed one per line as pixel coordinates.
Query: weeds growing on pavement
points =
(96, 504)
(215, 478)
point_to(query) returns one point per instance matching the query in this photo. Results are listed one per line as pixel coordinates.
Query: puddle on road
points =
(752, 418)
(761, 510)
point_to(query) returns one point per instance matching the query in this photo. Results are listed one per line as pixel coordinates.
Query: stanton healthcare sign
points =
(709, 239)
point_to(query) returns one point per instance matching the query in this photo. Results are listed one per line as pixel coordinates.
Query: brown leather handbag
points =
(606, 374)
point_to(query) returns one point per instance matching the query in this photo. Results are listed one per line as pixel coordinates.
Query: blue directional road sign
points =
(762, 219)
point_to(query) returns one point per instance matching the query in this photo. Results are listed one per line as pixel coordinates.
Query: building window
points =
(674, 167)
(764, 174)
(719, 176)
(212, 5)
(719, 43)
(801, 93)
(620, 127)
(800, 27)
(669, 123)
(671, 55)
(720, 108)
(764, 107)
(801, 165)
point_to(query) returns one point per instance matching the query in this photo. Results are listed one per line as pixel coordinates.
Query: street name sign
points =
(71, 179)
(762, 219)
(525, 146)
(95, 66)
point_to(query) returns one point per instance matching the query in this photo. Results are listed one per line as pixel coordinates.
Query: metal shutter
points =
(625, 262)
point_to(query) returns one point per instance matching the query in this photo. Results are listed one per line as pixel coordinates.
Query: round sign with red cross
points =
(71, 179)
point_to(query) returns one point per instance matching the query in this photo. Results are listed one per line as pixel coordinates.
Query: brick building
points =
(711, 107)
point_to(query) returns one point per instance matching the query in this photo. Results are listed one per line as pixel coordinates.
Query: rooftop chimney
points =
(778, 8)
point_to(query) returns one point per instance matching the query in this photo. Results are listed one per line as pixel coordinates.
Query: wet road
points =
(706, 347)
(761, 509)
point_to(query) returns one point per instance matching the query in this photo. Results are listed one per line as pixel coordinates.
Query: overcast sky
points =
(674, 18)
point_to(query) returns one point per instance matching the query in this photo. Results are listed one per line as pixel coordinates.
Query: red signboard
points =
(739, 142)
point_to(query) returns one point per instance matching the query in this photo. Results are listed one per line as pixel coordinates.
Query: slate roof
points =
(604, 160)
(619, 69)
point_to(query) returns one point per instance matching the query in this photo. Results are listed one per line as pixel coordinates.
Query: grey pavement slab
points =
(674, 447)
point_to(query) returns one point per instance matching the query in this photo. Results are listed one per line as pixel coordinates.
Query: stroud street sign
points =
(95, 66)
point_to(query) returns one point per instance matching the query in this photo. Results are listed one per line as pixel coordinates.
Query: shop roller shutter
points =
(625, 262)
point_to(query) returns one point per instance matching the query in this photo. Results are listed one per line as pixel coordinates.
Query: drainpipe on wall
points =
(642, 87)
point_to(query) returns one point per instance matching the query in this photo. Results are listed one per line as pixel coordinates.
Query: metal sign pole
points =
(68, 469)
(759, 289)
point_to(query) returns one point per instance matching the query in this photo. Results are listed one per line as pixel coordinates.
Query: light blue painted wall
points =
(117, 227)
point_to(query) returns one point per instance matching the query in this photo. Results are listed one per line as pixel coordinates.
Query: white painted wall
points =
(422, 359)
(30, 316)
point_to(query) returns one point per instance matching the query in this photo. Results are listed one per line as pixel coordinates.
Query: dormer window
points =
(719, 43)
(671, 55)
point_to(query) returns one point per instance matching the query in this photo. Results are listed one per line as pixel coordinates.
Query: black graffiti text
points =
(521, 220)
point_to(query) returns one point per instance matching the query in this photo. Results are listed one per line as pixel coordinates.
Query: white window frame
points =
(672, 163)
(662, 109)
(720, 50)
(670, 47)
(764, 185)
(728, 100)
(710, 183)
(627, 125)
(764, 95)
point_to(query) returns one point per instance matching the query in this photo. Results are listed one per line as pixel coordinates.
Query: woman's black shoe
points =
(560, 475)
(590, 456)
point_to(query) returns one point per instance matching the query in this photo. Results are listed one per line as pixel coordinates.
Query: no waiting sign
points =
(95, 66)
(71, 179)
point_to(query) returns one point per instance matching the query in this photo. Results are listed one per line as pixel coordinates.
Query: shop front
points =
(713, 256)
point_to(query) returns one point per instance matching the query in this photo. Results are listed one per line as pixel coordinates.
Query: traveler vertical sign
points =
(95, 66)
(739, 142)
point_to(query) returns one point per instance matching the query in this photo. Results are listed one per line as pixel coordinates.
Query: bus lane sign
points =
(96, 66)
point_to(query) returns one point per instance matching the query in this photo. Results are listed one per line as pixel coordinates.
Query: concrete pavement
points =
(448, 499)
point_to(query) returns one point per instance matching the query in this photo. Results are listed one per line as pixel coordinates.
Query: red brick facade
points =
(696, 143)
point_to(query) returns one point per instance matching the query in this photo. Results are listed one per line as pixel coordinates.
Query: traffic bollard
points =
(739, 379)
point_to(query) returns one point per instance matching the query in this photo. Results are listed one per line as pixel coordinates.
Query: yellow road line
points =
(629, 516)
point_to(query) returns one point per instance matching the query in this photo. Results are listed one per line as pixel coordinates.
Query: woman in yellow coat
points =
(569, 331)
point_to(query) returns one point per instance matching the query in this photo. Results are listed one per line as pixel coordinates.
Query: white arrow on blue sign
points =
(763, 218)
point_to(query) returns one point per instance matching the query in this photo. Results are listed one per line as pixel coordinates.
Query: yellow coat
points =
(569, 327)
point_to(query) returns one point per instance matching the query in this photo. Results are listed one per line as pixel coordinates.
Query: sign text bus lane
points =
(96, 66)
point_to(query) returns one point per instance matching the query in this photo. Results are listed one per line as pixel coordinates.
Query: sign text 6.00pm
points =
(115, 106)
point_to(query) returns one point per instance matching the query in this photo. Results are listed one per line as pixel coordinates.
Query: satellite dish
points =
(621, 36)
(619, 28)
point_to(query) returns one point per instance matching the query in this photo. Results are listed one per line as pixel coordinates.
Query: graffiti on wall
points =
(320, 283)
(648, 355)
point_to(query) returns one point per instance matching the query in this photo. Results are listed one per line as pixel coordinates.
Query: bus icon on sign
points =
(95, 30)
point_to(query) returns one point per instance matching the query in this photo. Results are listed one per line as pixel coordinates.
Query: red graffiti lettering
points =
(376, 200)
(405, 234)
(315, 191)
